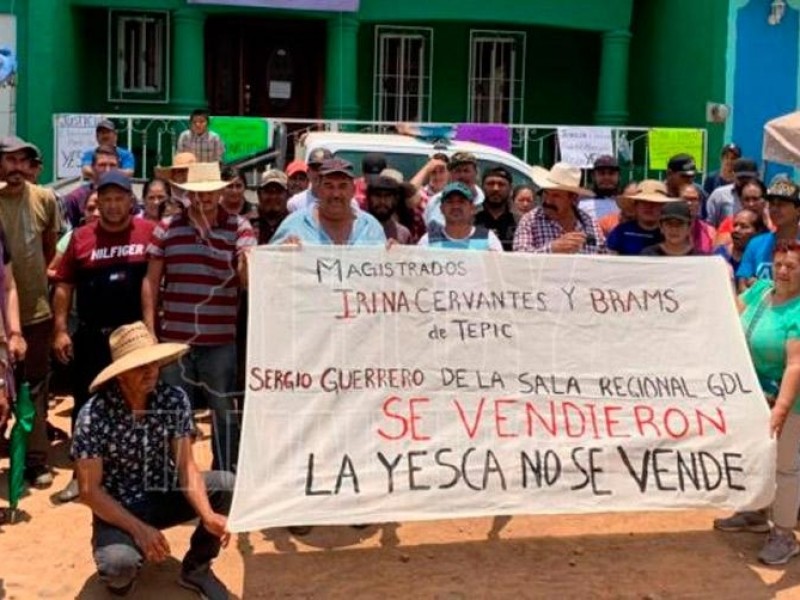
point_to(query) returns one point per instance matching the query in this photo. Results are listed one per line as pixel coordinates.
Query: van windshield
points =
(409, 164)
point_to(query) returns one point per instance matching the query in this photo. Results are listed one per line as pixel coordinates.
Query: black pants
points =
(119, 559)
(92, 355)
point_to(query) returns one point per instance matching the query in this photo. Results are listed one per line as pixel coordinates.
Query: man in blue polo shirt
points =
(783, 199)
(332, 220)
(106, 135)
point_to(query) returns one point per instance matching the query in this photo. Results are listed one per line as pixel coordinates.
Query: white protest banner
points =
(580, 146)
(75, 134)
(421, 384)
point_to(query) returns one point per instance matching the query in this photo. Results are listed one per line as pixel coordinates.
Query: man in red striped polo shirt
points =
(197, 261)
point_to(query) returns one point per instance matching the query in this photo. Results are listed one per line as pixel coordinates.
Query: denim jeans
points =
(210, 372)
(116, 554)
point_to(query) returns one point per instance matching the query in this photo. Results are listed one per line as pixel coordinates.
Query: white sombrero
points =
(202, 177)
(562, 176)
(134, 346)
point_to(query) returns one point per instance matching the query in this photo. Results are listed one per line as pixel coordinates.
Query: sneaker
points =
(69, 493)
(203, 581)
(779, 548)
(752, 521)
(39, 476)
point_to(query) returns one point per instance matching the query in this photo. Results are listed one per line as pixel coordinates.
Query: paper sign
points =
(496, 136)
(422, 384)
(243, 136)
(75, 134)
(280, 90)
(581, 146)
(666, 143)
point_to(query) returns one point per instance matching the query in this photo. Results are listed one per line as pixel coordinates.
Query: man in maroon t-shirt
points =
(104, 266)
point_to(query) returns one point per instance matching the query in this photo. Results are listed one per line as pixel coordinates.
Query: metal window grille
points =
(402, 74)
(497, 68)
(141, 47)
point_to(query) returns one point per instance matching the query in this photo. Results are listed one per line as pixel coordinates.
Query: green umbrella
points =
(24, 413)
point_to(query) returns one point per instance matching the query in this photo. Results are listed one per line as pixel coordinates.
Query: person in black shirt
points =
(496, 213)
(676, 227)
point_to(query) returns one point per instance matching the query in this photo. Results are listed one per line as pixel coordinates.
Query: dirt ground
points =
(640, 556)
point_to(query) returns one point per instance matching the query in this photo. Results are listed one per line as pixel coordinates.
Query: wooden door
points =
(262, 67)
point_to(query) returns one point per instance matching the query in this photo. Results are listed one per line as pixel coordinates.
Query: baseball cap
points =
(462, 158)
(606, 162)
(456, 187)
(497, 171)
(382, 182)
(683, 164)
(106, 124)
(317, 156)
(373, 163)
(745, 167)
(678, 211)
(336, 165)
(295, 167)
(274, 176)
(783, 189)
(114, 177)
(13, 143)
(731, 149)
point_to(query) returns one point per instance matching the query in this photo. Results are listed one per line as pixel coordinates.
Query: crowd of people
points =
(143, 300)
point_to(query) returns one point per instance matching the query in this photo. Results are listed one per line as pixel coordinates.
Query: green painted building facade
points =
(524, 61)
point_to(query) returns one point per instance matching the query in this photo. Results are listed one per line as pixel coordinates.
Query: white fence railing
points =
(153, 139)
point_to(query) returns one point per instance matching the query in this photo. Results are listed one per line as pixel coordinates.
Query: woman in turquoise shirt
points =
(770, 314)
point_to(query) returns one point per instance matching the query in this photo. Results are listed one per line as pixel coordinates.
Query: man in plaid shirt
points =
(559, 226)
(206, 145)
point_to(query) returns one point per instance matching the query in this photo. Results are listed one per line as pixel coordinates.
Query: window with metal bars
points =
(138, 56)
(496, 84)
(402, 73)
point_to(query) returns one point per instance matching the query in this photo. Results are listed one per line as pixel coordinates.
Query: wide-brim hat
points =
(203, 177)
(562, 177)
(180, 162)
(648, 190)
(133, 346)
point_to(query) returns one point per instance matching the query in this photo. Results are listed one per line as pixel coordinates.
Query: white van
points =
(406, 153)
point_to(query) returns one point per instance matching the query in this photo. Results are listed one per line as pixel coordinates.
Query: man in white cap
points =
(558, 226)
(136, 469)
(200, 258)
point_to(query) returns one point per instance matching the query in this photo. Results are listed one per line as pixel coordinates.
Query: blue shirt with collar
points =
(126, 159)
(367, 230)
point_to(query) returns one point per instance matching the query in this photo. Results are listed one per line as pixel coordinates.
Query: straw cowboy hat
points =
(133, 346)
(648, 190)
(562, 176)
(177, 170)
(202, 177)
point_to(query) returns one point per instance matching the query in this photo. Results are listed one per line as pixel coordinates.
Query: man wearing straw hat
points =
(559, 226)
(136, 470)
(200, 257)
(644, 230)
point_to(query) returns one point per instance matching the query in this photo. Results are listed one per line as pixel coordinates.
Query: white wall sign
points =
(417, 384)
(580, 146)
(74, 135)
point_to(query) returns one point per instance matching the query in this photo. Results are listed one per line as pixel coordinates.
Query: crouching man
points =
(136, 471)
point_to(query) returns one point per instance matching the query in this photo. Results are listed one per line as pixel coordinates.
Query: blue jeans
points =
(116, 554)
(210, 372)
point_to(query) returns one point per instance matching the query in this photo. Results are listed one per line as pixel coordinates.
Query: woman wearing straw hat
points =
(558, 225)
(136, 470)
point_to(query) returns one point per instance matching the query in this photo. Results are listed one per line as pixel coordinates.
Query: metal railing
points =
(153, 139)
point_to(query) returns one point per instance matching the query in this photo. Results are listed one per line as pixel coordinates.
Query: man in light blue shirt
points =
(463, 167)
(106, 134)
(332, 220)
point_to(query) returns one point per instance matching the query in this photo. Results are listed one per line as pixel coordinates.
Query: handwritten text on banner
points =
(410, 384)
(581, 146)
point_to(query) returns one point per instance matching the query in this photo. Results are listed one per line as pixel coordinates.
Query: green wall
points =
(561, 73)
(678, 64)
